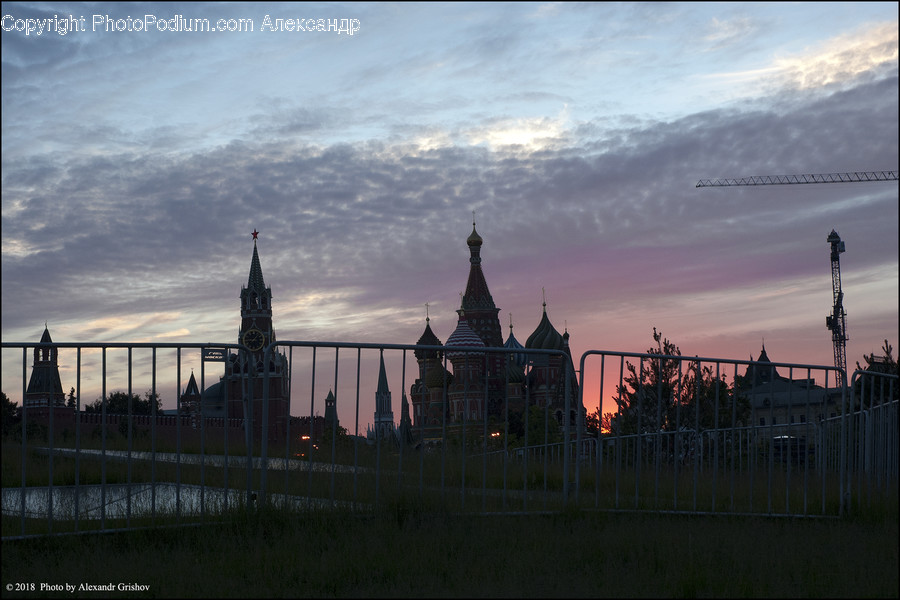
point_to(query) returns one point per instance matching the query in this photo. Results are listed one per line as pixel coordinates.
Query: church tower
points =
(477, 303)
(482, 316)
(256, 308)
(427, 392)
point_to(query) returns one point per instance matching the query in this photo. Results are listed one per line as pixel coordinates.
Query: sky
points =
(136, 163)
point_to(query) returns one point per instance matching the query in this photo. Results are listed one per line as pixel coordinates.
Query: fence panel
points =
(486, 430)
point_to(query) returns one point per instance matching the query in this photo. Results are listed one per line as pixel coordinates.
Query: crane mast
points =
(836, 322)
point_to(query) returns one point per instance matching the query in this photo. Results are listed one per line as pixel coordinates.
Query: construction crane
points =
(836, 322)
(855, 177)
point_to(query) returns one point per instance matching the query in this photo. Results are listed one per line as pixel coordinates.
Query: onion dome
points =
(462, 336)
(512, 343)
(545, 337)
(428, 339)
(474, 239)
(515, 373)
(437, 376)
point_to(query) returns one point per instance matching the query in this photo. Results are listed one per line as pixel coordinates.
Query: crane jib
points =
(851, 177)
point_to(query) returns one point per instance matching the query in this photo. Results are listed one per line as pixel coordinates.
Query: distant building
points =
(45, 392)
(245, 371)
(383, 424)
(778, 400)
(484, 382)
(190, 403)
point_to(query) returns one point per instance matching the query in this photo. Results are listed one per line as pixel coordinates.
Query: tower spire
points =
(255, 281)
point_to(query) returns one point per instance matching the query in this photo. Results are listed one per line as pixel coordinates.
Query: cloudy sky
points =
(135, 164)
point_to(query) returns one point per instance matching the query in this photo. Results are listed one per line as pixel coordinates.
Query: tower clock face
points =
(254, 339)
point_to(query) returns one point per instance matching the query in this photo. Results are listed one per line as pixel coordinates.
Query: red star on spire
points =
(254, 233)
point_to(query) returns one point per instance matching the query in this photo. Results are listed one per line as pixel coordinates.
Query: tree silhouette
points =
(117, 404)
(873, 386)
(669, 394)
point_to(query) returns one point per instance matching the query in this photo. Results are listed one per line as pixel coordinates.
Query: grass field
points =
(413, 545)
(408, 551)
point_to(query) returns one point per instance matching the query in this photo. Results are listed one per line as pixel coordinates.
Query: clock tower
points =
(246, 370)
(256, 308)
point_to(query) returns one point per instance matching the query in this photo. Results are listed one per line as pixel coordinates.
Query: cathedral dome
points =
(545, 337)
(512, 343)
(514, 373)
(463, 336)
(474, 239)
(428, 339)
(436, 377)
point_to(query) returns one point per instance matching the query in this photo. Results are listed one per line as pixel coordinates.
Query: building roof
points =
(545, 336)
(428, 339)
(477, 296)
(437, 376)
(463, 336)
(382, 379)
(192, 389)
(44, 378)
(512, 343)
(255, 281)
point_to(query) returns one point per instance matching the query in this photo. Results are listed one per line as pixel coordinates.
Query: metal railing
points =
(502, 431)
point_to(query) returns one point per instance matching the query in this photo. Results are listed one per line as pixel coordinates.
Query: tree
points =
(881, 364)
(647, 397)
(879, 387)
(593, 422)
(10, 414)
(117, 404)
(542, 427)
(70, 399)
(667, 394)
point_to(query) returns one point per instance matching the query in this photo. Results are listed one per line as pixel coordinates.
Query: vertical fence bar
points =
(312, 408)
(103, 425)
(24, 447)
(203, 443)
(178, 413)
(334, 423)
(130, 438)
(153, 428)
(78, 439)
(356, 429)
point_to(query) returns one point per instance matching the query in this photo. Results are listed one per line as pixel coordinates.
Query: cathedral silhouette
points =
(504, 380)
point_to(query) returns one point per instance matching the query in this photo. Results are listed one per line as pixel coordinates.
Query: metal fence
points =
(489, 431)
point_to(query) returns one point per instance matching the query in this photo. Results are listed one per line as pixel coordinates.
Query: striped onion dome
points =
(462, 336)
